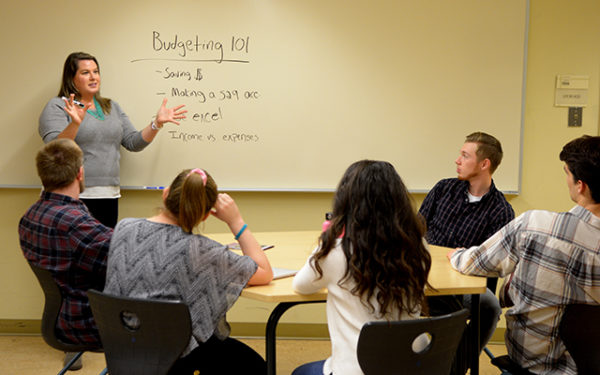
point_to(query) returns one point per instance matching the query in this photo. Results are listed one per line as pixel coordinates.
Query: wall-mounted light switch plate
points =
(575, 114)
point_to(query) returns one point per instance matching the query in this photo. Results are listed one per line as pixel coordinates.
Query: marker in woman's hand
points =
(76, 102)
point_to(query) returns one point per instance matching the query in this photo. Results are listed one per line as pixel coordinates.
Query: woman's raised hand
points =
(226, 209)
(173, 114)
(76, 112)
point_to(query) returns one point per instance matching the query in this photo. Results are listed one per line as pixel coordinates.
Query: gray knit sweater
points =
(153, 260)
(99, 140)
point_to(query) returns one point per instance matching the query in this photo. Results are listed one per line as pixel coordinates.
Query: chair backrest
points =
(580, 331)
(52, 303)
(140, 336)
(387, 347)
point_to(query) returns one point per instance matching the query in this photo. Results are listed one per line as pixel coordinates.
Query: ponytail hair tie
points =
(200, 172)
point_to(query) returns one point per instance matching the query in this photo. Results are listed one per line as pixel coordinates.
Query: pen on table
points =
(76, 102)
(154, 187)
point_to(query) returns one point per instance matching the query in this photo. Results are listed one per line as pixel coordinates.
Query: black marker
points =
(76, 102)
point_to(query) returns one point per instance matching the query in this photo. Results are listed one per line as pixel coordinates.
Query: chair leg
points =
(491, 355)
(68, 365)
(487, 351)
(105, 371)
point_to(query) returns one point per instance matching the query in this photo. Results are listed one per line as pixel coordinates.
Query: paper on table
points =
(236, 246)
(279, 273)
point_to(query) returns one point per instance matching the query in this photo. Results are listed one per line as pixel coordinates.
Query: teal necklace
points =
(98, 112)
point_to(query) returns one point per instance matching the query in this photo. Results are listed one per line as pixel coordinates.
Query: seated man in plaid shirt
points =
(464, 212)
(58, 233)
(553, 259)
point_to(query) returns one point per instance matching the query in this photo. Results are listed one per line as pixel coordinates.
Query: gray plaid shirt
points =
(555, 261)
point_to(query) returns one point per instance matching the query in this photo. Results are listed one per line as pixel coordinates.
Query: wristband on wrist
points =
(153, 126)
(237, 236)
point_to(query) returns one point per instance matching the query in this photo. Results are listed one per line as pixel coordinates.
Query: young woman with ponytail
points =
(160, 257)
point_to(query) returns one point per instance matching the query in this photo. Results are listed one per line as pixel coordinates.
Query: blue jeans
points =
(312, 368)
(489, 314)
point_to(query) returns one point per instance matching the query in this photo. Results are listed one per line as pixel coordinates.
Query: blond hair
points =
(58, 163)
(191, 198)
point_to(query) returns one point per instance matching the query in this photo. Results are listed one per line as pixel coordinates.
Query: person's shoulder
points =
(55, 103)
(56, 100)
(449, 184)
(498, 195)
(452, 183)
(65, 205)
(128, 221)
(72, 212)
(71, 216)
(115, 106)
(202, 249)
(539, 218)
(500, 201)
(444, 190)
(31, 216)
(208, 243)
(125, 223)
(78, 214)
(448, 181)
(336, 256)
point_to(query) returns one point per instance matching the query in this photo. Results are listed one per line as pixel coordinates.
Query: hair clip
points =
(200, 172)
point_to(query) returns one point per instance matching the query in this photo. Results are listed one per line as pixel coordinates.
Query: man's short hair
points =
(582, 156)
(488, 147)
(58, 163)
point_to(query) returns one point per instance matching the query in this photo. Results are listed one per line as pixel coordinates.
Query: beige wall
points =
(564, 38)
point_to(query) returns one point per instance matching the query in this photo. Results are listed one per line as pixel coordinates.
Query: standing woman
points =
(99, 126)
(372, 259)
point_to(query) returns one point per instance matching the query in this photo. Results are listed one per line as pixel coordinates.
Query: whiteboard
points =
(281, 94)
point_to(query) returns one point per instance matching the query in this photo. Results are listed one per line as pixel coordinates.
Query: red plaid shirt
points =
(58, 233)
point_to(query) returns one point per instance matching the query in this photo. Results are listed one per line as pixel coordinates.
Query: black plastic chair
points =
(386, 347)
(580, 330)
(53, 302)
(140, 336)
(508, 366)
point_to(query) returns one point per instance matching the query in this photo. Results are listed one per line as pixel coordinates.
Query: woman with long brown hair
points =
(372, 259)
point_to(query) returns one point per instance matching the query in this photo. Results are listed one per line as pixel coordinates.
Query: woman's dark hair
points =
(190, 199)
(67, 87)
(382, 238)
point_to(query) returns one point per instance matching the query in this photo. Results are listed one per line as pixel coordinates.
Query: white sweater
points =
(345, 313)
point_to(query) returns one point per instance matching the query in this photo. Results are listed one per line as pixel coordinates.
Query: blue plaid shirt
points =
(58, 233)
(453, 221)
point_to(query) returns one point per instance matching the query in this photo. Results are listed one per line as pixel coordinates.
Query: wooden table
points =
(293, 248)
